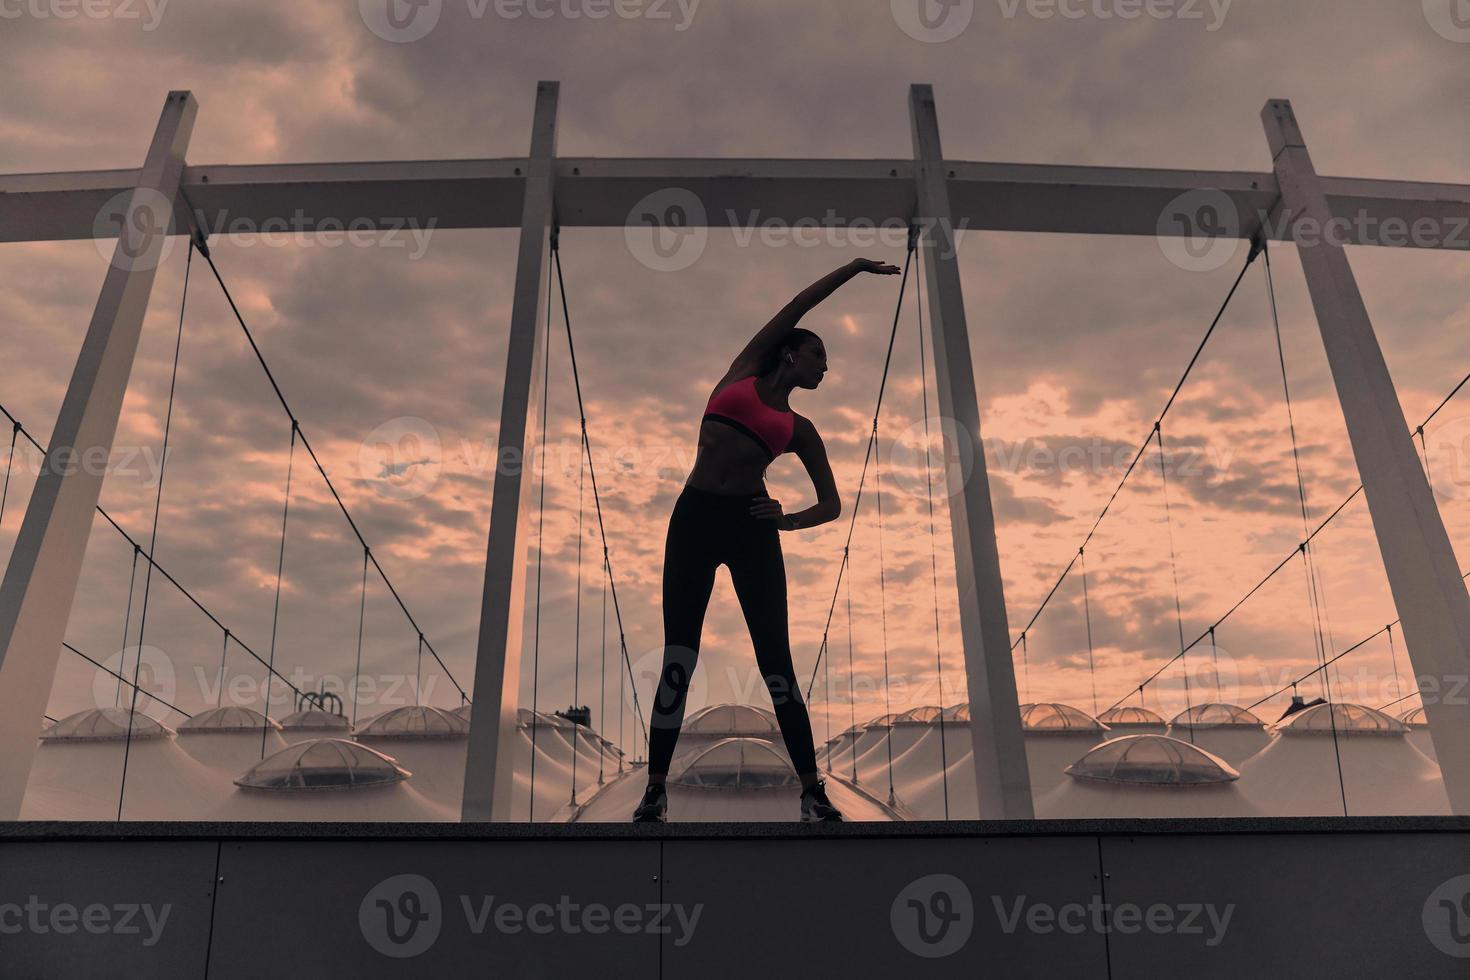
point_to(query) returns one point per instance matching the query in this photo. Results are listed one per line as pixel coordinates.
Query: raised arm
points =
(775, 333)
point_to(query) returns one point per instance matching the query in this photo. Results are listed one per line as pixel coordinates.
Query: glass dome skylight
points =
(919, 716)
(229, 718)
(1216, 716)
(1415, 718)
(732, 719)
(1154, 760)
(315, 720)
(738, 763)
(1058, 719)
(415, 721)
(958, 712)
(105, 725)
(1344, 719)
(323, 764)
(1130, 715)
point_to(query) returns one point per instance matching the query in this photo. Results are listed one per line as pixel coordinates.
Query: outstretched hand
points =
(876, 268)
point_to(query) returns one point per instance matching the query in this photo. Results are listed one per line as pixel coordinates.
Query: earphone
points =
(790, 359)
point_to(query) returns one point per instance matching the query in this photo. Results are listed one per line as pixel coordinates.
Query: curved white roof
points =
(105, 724)
(315, 720)
(230, 718)
(927, 715)
(525, 718)
(958, 712)
(1343, 719)
(737, 763)
(323, 764)
(882, 721)
(415, 721)
(1155, 760)
(1048, 718)
(1414, 717)
(731, 719)
(1130, 715)
(1214, 715)
(463, 711)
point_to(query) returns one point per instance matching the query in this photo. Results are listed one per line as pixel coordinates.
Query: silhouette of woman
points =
(724, 516)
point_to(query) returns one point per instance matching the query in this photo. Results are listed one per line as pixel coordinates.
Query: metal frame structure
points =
(542, 191)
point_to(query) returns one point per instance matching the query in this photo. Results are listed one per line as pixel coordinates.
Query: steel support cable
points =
(117, 673)
(592, 477)
(540, 554)
(1174, 567)
(1143, 448)
(867, 458)
(1314, 591)
(9, 465)
(331, 487)
(280, 574)
(361, 623)
(851, 685)
(1087, 618)
(933, 544)
(602, 678)
(127, 629)
(883, 611)
(577, 622)
(148, 557)
(168, 419)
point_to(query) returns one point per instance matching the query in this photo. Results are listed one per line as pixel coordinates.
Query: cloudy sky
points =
(1077, 341)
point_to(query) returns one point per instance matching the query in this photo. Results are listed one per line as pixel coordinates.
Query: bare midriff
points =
(729, 461)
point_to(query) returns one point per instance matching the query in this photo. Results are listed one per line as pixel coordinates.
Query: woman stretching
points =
(725, 517)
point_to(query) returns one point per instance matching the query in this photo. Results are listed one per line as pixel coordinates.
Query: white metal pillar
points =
(1422, 571)
(41, 579)
(490, 762)
(1001, 776)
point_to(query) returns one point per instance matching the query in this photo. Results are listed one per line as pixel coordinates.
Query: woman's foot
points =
(655, 805)
(815, 807)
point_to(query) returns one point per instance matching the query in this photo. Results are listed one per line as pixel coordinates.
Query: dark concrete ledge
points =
(181, 830)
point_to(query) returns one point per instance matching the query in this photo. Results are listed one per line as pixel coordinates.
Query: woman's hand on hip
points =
(769, 509)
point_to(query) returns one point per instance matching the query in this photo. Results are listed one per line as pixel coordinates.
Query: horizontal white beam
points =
(603, 192)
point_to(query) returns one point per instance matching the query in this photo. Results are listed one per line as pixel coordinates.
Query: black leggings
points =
(708, 530)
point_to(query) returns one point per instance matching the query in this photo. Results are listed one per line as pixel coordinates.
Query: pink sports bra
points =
(740, 407)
